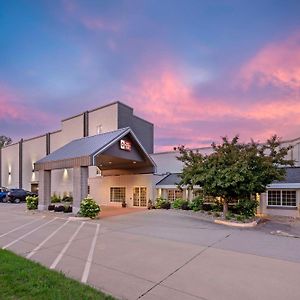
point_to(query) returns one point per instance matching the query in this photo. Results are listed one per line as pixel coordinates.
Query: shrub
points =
(229, 216)
(67, 199)
(240, 218)
(55, 198)
(207, 206)
(180, 204)
(32, 202)
(247, 208)
(89, 208)
(197, 203)
(216, 207)
(217, 214)
(162, 203)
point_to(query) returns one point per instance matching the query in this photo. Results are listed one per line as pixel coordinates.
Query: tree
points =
(4, 141)
(235, 170)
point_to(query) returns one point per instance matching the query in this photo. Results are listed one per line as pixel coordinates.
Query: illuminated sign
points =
(125, 145)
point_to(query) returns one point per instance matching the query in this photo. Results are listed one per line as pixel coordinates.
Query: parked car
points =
(18, 195)
(3, 194)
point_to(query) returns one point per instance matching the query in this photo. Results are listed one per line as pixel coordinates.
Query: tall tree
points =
(4, 141)
(235, 170)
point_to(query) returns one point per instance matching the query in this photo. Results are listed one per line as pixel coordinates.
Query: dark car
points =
(3, 194)
(18, 195)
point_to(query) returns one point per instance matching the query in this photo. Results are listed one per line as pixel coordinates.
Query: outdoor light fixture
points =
(9, 173)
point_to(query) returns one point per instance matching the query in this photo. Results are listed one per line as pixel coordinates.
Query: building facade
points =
(107, 152)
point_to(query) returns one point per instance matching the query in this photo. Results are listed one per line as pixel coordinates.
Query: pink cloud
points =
(165, 99)
(12, 109)
(277, 64)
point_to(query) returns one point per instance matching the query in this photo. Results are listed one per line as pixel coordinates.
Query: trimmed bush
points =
(55, 198)
(32, 202)
(162, 203)
(180, 204)
(89, 208)
(197, 203)
(67, 199)
(247, 208)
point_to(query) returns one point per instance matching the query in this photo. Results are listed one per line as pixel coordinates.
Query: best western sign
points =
(125, 145)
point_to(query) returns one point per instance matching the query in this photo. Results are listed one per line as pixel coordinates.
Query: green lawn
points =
(23, 279)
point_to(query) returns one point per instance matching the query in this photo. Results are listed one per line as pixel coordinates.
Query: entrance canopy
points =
(115, 152)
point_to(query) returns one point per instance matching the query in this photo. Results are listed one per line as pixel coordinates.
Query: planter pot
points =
(51, 207)
(60, 208)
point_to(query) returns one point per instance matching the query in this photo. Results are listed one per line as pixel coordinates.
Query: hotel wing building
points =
(107, 153)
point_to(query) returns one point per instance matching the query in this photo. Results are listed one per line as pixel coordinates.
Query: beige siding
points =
(10, 163)
(55, 140)
(168, 162)
(100, 187)
(33, 150)
(71, 129)
(107, 117)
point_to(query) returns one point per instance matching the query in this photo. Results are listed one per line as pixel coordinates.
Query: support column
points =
(44, 189)
(80, 186)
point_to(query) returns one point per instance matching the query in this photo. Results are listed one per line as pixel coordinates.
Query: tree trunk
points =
(225, 208)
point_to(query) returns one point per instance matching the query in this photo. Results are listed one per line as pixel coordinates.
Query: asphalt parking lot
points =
(157, 254)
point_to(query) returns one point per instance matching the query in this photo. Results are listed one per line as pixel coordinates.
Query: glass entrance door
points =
(140, 196)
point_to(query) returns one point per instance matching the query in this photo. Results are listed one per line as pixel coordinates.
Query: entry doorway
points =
(140, 196)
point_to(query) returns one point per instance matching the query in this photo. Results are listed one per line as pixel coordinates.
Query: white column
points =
(80, 186)
(44, 189)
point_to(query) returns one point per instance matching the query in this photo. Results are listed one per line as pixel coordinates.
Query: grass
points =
(23, 279)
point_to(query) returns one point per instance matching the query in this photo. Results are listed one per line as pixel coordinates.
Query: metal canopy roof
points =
(82, 152)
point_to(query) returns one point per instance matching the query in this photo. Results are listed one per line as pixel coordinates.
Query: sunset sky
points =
(197, 69)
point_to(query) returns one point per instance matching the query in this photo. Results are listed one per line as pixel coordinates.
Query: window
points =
(282, 198)
(174, 194)
(117, 194)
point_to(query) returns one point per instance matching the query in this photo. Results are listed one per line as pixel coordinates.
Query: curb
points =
(235, 224)
(79, 219)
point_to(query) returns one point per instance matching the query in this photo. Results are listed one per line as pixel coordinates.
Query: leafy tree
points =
(235, 170)
(4, 141)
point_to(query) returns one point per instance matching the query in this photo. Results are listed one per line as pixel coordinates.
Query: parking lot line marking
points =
(60, 255)
(13, 230)
(88, 264)
(28, 233)
(46, 240)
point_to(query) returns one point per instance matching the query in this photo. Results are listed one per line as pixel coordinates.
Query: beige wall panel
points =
(55, 140)
(100, 187)
(71, 129)
(62, 182)
(10, 163)
(33, 150)
(107, 117)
